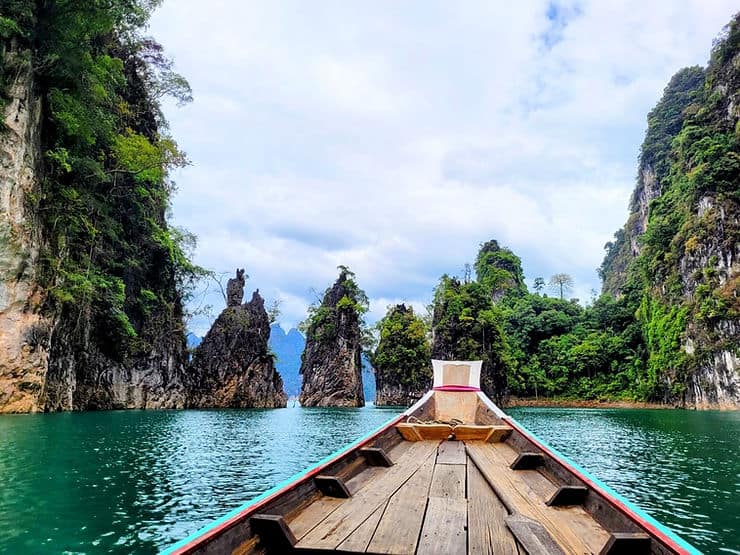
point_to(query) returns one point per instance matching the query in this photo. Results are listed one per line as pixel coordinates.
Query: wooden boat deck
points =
(447, 497)
(452, 475)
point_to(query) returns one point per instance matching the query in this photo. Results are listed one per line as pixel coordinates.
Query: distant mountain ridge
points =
(288, 347)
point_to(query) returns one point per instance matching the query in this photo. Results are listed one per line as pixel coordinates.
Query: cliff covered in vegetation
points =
(402, 358)
(91, 276)
(467, 323)
(331, 364)
(676, 263)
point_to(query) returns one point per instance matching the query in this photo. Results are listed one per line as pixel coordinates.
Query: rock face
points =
(50, 359)
(664, 123)
(402, 360)
(233, 366)
(331, 364)
(678, 256)
(24, 331)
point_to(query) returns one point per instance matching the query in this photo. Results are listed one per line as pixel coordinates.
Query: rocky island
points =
(402, 362)
(331, 364)
(233, 366)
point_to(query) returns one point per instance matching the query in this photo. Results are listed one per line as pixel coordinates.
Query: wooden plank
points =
(444, 526)
(568, 495)
(332, 486)
(487, 531)
(354, 511)
(374, 456)
(309, 517)
(408, 431)
(360, 538)
(433, 431)
(398, 529)
(397, 451)
(248, 547)
(532, 535)
(356, 483)
(571, 527)
(460, 405)
(448, 481)
(527, 461)
(499, 433)
(621, 543)
(273, 531)
(451, 452)
(472, 432)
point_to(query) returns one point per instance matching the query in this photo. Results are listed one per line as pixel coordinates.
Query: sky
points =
(396, 137)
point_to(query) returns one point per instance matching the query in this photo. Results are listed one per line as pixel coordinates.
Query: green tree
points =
(499, 270)
(402, 357)
(467, 326)
(114, 269)
(539, 284)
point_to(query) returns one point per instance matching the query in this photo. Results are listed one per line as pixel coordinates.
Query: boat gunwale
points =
(657, 530)
(617, 502)
(202, 536)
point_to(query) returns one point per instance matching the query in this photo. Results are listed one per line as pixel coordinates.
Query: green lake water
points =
(137, 481)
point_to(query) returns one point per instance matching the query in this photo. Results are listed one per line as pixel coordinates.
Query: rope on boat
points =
(451, 422)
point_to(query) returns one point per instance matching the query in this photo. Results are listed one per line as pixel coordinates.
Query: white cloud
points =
(395, 137)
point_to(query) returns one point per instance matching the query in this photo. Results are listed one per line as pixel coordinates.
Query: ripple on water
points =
(680, 466)
(137, 481)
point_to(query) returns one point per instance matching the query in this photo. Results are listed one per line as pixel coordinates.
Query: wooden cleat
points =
(627, 543)
(568, 495)
(374, 456)
(332, 486)
(274, 532)
(527, 461)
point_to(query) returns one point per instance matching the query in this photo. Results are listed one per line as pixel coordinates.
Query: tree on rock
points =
(499, 270)
(331, 365)
(402, 359)
(562, 283)
(466, 326)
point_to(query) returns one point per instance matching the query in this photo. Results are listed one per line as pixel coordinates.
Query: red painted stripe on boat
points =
(237, 518)
(456, 388)
(621, 507)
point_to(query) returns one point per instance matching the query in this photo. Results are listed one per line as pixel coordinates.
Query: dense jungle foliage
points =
(679, 286)
(343, 305)
(538, 345)
(402, 355)
(467, 324)
(109, 262)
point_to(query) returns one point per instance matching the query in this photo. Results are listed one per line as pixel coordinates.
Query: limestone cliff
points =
(331, 364)
(677, 261)
(233, 365)
(402, 359)
(91, 275)
(664, 123)
(24, 331)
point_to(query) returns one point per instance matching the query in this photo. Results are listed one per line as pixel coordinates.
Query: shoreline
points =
(515, 402)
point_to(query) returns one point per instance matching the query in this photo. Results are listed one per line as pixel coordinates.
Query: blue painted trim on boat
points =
(231, 514)
(634, 508)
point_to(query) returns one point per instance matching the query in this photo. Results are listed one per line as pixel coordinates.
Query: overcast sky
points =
(395, 137)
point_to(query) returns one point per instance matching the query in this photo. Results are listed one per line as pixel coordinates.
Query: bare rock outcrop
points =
(331, 363)
(24, 331)
(233, 366)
